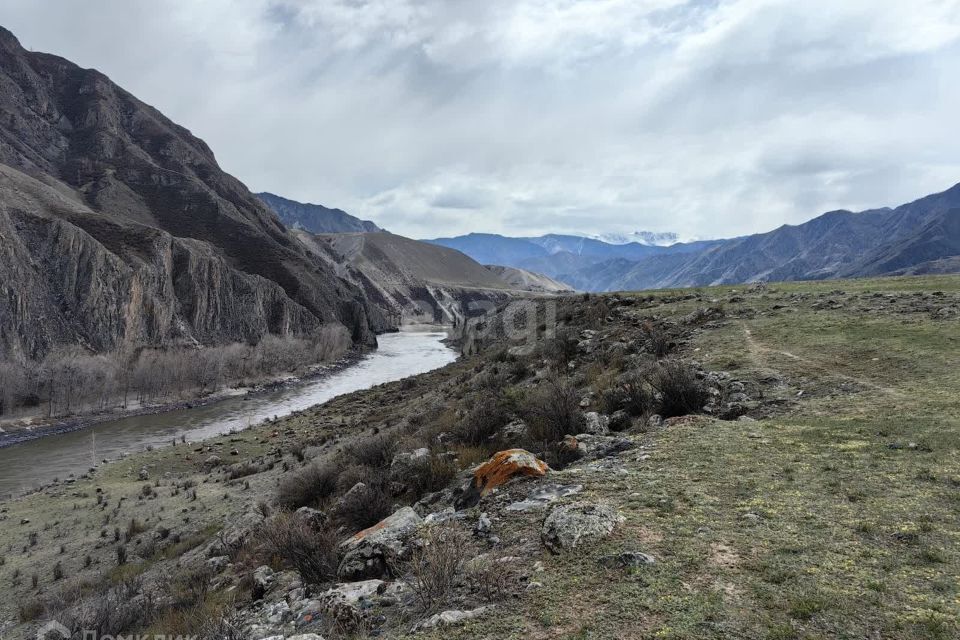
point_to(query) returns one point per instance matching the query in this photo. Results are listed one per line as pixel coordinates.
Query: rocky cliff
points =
(119, 227)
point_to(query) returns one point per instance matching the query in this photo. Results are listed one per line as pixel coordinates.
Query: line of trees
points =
(70, 380)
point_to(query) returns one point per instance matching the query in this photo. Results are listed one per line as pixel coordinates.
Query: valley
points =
(798, 503)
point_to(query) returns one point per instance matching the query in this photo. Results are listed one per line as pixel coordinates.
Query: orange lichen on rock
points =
(505, 465)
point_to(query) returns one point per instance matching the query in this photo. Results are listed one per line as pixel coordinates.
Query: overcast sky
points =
(710, 118)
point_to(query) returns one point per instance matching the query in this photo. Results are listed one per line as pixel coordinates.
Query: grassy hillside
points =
(830, 509)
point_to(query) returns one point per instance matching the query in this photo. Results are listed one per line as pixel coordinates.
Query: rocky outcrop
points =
(571, 526)
(505, 465)
(118, 227)
(369, 554)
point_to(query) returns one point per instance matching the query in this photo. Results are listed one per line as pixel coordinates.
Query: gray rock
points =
(368, 553)
(262, 581)
(540, 498)
(596, 424)
(313, 518)
(144, 475)
(571, 526)
(514, 432)
(218, 563)
(451, 618)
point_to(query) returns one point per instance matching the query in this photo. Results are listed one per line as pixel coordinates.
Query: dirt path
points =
(759, 351)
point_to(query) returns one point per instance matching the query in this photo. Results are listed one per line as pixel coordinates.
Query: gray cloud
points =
(437, 117)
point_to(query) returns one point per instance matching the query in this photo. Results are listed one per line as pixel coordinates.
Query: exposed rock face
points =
(369, 553)
(119, 228)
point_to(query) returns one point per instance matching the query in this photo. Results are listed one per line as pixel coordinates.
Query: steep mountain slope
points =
(414, 281)
(529, 280)
(315, 218)
(119, 228)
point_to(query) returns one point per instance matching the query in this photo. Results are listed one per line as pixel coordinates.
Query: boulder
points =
(368, 554)
(515, 431)
(596, 424)
(505, 465)
(313, 518)
(571, 526)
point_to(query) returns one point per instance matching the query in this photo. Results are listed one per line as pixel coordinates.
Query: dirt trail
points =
(758, 351)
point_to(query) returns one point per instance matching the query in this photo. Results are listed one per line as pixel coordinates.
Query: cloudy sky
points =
(710, 118)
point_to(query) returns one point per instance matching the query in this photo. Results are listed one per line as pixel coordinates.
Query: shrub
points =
(657, 340)
(307, 487)
(312, 553)
(242, 470)
(681, 393)
(436, 564)
(376, 451)
(429, 476)
(30, 610)
(554, 411)
(366, 503)
(488, 415)
(638, 398)
(562, 348)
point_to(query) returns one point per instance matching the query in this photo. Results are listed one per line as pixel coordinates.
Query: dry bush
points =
(492, 576)
(637, 394)
(366, 502)
(291, 540)
(658, 341)
(560, 349)
(553, 411)
(488, 415)
(433, 474)
(681, 393)
(307, 487)
(436, 565)
(376, 451)
(242, 470)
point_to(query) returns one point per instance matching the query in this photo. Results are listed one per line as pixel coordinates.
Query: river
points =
(30, 464)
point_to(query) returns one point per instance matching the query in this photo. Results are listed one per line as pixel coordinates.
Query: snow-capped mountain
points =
(649, 238)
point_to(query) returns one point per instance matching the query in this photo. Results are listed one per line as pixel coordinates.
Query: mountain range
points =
(919, 237)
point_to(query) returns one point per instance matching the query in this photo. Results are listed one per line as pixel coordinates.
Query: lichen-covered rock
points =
(596, 424)
(570, 526)
(369, 553)
(505, 465)
(313, 518)
(346, 605)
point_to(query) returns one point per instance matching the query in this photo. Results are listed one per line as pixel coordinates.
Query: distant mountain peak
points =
(648, 238)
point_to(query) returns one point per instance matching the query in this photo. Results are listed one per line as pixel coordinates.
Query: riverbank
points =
(14, 433)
